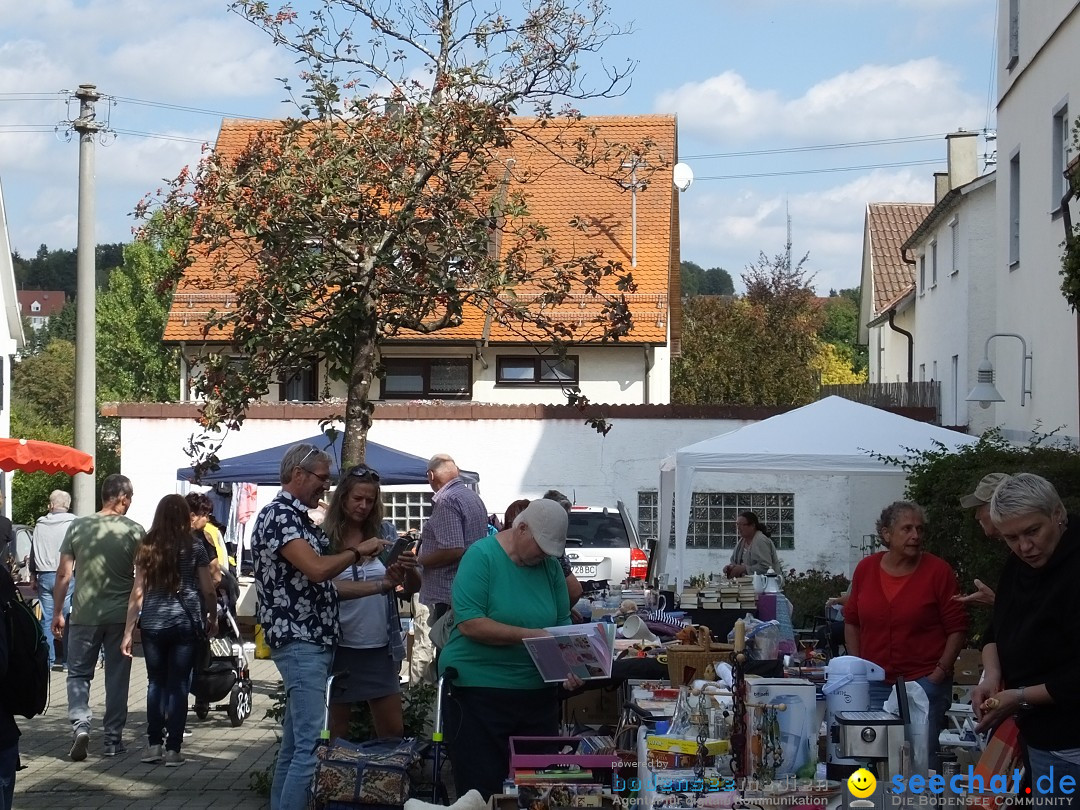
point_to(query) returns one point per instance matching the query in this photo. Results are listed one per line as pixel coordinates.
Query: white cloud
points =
(871, 101)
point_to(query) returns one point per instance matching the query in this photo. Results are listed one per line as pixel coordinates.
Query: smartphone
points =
(401, 545)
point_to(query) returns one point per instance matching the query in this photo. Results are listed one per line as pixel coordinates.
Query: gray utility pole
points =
(86, 309)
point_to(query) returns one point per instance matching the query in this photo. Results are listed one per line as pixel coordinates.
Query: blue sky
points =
(742, 76)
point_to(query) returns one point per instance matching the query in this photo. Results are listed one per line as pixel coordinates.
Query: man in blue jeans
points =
(49, 533)
(298, 610)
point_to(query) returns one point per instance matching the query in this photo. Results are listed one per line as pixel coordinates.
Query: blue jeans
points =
(940, 697)
(1047, 768)
(85, 643)
(169, 655)
(9, 761)
(45, 583)
(304, 668)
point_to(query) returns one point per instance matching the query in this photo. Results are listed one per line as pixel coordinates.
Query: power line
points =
(820, 147)
(825, 171)
(159, 136)
(182, 108)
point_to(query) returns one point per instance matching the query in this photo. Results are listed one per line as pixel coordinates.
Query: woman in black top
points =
(174, 592)
(1031, 659)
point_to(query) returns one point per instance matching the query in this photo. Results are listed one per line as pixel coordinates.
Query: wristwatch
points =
(1023, 705)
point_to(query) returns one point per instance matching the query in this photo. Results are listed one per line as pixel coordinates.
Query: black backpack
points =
(24, 688)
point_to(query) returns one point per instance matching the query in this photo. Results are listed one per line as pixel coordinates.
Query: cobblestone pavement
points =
(219, 757)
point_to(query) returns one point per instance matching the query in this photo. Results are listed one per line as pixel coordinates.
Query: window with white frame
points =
(536, 370)
(933, 264)
(922, 273)
(427, 378)
(406, 510)
(1014, 210)
(1059, 156)
(713, 517)
(954, 240)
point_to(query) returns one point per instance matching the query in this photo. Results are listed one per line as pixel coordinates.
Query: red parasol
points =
(29, 455)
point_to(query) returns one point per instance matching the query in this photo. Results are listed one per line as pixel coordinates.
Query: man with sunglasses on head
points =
(298, 609)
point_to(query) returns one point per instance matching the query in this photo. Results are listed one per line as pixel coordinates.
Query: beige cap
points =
(984, 491)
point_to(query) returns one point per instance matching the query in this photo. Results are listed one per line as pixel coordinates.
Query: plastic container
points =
(847, 689)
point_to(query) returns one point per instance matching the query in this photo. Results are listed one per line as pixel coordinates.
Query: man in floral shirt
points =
(298, 610)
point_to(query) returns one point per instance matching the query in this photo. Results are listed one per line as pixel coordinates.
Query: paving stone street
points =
(219, 758)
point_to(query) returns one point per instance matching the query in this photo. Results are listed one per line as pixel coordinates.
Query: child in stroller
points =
(222, 671)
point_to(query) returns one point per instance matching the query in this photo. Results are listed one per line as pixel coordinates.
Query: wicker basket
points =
(680, 656)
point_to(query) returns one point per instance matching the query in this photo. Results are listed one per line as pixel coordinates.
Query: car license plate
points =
(583, 570)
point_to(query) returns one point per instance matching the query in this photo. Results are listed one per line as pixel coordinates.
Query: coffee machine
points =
(875, 737)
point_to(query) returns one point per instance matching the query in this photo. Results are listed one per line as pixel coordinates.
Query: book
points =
(586, 650)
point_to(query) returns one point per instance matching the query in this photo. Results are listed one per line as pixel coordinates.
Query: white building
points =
(954, 295)
(1038, 85)
(11, 338)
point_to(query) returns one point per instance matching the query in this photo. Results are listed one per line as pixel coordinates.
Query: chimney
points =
(963, 162)
(941, 186)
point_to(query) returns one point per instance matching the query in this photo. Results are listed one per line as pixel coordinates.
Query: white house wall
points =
(957, 313)
(1029, 300)
(523, 458)
(889, 350)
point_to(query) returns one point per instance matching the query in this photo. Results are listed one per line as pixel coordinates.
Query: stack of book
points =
(710, 597)
(747, 595)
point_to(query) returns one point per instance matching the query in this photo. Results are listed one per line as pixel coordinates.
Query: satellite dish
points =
(682, 176)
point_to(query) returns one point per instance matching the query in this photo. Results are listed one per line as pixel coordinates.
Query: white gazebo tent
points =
(833, 436)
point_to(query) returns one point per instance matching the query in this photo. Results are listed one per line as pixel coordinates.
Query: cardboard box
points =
(682, 745)
(593, 707)
(968, 668)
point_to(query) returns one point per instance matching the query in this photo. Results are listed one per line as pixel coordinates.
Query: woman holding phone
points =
(371, 647)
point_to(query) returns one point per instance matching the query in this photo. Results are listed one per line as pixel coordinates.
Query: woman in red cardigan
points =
(901, 615)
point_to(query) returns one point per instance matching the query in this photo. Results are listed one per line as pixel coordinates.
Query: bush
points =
(938, 478)
(807, 592)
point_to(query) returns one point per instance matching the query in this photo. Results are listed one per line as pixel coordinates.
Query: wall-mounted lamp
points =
(984, 391)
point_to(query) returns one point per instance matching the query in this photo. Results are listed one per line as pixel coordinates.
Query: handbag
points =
(369, 773)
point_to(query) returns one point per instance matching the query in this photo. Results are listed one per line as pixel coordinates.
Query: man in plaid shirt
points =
(458, 519)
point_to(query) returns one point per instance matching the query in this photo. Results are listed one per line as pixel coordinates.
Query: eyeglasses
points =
(324, 478)
(364, 473)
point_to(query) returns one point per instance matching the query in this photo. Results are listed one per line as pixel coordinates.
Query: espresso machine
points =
(875, 737)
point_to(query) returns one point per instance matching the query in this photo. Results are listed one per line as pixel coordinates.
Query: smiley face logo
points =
(861, 783)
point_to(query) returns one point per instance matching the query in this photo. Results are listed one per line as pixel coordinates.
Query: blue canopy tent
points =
(263, 467)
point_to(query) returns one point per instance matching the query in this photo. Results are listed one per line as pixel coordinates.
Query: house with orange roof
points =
(487, 361)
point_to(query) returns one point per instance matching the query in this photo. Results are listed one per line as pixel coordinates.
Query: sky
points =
(800, 109)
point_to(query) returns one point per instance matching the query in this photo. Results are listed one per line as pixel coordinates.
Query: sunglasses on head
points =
(364, 473)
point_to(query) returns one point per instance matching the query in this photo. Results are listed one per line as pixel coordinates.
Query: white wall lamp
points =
(984, 391)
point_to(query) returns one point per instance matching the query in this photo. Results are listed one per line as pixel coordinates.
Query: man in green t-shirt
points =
(103, 547)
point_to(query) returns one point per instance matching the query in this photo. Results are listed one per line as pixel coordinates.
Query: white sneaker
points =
(174, 759)
(153, 754)
(79, 746)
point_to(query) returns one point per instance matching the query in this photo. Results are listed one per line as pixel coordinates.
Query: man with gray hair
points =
(49, 533)
(103, 545)
(458, 519)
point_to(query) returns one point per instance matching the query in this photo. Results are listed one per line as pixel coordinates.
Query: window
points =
(1014, 210)
(303, 386)
(407, 510)
(536, 370)
(1014, 34)
(36, 307)
(922, 273)
(429, 378)
(954, 239)
(713, 516)
(933, 264)
(1059, 156)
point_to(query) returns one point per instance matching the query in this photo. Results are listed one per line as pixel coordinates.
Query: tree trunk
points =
(357, 407)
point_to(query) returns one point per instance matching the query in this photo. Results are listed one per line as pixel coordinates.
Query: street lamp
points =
(984, 391)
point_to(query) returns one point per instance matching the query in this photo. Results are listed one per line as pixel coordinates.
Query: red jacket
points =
(906, 636)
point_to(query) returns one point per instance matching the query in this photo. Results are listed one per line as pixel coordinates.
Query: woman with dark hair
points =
(755, 552)
(901, 615)
(371, 647)
(174, 592)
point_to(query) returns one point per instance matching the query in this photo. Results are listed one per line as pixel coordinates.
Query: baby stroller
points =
(225, 675)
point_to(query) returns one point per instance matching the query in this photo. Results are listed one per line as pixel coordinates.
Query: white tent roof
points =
(830, 435)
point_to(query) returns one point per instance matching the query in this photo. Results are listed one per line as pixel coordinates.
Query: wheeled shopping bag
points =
(372, 775)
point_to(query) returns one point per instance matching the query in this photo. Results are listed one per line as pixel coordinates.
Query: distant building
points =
(40, 305)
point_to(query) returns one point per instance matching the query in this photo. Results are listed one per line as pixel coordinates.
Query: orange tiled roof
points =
(888, 226)
(556, 193)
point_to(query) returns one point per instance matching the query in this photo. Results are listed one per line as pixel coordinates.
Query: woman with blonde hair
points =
(371, 647)
(174, 592)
